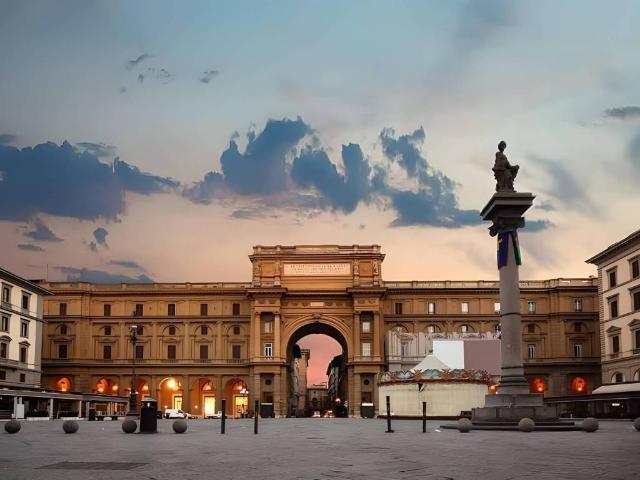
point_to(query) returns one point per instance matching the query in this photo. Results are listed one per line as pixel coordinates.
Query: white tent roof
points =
(618, 388)
(430, 362)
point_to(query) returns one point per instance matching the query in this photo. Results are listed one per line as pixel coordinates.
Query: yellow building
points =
(198, 343)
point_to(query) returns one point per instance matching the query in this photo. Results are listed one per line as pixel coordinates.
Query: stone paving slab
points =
(318, 449)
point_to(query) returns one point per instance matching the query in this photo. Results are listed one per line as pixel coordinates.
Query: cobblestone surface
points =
(318, 449)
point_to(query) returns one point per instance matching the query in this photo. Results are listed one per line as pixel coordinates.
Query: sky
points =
(160, 140)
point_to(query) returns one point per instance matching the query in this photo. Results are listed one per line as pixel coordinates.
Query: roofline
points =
(614, 248)
(23, 282)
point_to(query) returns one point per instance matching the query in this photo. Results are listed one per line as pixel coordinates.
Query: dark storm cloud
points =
(261, 169)
(134, 63)
(631, 112)
(127, 264)
(99, 276)
(207, 76)
(100, 234)
(41, 232)
(59, 180)
(100, 150)
(30, 247)
(7, 139)
(434, 201)
(313, 169)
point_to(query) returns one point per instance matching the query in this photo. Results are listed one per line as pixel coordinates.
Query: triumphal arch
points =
(327, 289)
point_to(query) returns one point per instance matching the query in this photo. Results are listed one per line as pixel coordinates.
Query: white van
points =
(175, 413)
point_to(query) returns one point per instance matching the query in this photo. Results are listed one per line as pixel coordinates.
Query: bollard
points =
(224, 416)
(255, 417)
(389, 415)
(424, 417)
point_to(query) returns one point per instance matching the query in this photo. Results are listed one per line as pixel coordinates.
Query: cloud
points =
(30, 247)
(41, 232)
(160, 74)
(537, 225)
(7, 139)
(123, 89)
(633, 151)
(100, 150)
(100, 234)
(261, 169)
(480, 21)
(563, 186)
(59, 180)
(99, 276)
(434, 201)
(627, 113)
(134, 63)
(207, 76)
(127, 264)
(313, 169)
(140, 78)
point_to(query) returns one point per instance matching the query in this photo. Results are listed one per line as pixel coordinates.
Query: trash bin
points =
(92, 414)
(366, 410)
(266, 410)
(149, 416)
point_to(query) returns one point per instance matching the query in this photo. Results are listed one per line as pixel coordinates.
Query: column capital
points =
(505, 210)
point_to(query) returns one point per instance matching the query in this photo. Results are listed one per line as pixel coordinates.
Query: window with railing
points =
(531, 350)
(577, 350)
(171, 352)
(366, 349)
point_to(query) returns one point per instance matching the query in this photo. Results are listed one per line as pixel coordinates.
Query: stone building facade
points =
(201, 342)
(619, 293)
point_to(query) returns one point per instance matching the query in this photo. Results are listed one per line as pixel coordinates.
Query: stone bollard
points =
(590, 424)
(129, 426)
(180, 426)
(636, 424)
(464, 425)
(526, 425)
(12, 426)
(70, 426)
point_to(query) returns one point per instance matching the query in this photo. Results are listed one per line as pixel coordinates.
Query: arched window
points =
(465, 328)
(577, 327)
(172, 330)
(617, 377)
(636, 376)
(431, 329)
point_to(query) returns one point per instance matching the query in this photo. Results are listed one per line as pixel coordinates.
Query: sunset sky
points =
(160, 141)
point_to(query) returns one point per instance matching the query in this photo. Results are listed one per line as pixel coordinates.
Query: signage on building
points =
(316, 269)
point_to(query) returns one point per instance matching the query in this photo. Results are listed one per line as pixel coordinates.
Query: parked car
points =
(175, 413)
(316, 414)
(214, 415)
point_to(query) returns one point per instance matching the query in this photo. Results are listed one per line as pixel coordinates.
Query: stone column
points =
(377, 328)
(357, 348)
(51, 413)
(357, 394)
(219, 355)
(277, 395)
(276, 335)
(256, 335)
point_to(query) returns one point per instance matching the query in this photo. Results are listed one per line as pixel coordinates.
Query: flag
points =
(503, 248)
(516, 247)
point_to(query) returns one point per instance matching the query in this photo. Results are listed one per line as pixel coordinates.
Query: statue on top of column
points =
(504, 172)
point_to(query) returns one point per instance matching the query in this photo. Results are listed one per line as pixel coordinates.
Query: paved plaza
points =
(316, 449)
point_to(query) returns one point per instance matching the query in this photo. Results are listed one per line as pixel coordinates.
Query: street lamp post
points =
(133, 396)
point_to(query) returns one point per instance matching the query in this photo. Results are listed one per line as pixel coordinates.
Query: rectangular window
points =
(636, 300)
(204, 352)
(62, 350)
(139, 352)
(464, 307)
(63, 329)
(404, 349)
(139, 310)
(204, 309)
(531, 350)
(268, 350)
(25, 301)
(613, 279)
(3, 350)
(268, 326)
(106, 352)
(171, 352)
(140, 330)
(236, 330)
(635, 268)
(107, 309)
(107, 330)
(577, 350)
(3, 375)
(636, 336)
(496, 307)
(531, 328)
(398, 308)
(63, 309)
(531, 307)
(4, 324)
(6, 294)
(366, 349)
(23, 378)
(431, 308)
(235, 352)
(366, 326)
(24, 328)
(204, 330)
(171, 310)
(23, 354)
(577, 305)
(615, 344)
(236, 309)
(613, 308)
